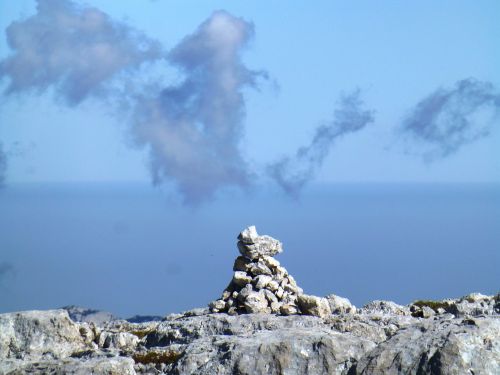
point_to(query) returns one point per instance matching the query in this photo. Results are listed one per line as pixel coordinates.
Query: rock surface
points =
(380, 338)
(453, 336)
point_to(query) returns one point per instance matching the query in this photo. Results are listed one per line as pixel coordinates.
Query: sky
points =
(208, 104)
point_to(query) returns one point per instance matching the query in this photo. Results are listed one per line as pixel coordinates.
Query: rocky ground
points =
(262, 324)
(455, 336)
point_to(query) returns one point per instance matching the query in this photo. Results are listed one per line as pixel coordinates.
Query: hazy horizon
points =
(128, 250)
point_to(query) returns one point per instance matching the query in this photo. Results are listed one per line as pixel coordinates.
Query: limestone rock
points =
(380, 338)
(340, 305)
(253, 246)
(40, 334)
(385, 307)
(313, 305)
(249, 235)
(256, 302)
(438, 347)
(241, 278)
(71, 366)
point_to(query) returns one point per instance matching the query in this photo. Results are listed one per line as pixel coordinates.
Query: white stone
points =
(241, 278)
(272, 285)
(313, 305)
(262, 281)
(256, 303)
(340, 305)
(248, 235)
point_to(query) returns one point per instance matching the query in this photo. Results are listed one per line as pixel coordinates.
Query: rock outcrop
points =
(453, 336)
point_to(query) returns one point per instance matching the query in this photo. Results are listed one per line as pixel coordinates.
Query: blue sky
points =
(152, 132)
(395, 54)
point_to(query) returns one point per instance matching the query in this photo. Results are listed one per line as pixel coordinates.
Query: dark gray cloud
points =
(292, 173)
(71, 48)
(448, 119)
(193, 129)
(3, 166)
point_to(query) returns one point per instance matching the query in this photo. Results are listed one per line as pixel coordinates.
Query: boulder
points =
(40, 334)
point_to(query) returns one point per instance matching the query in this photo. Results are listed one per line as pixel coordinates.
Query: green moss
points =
(156, 357)
(435, 305)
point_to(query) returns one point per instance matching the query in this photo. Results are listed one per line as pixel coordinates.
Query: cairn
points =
(259, 284)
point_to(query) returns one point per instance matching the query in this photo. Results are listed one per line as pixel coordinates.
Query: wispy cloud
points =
(450, 118)
(6, 268)
(292, 173)
(3, 166)
(72, 48)
(193, 129)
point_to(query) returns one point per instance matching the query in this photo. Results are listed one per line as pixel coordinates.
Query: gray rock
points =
(40, 335)
(262, 281)
(313, 305)
(439, 346)
(256, 302)
(340, 305)
(241, 264)
(118, 340)
(381, 338)
(71, 366)
(288, 351)
(241, 278)
(385, 307)
(218, 305)
(263, 246)
(248, 235)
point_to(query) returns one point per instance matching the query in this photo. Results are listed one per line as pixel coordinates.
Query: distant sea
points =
(133, 249)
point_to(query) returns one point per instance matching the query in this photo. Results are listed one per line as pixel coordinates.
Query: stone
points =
(218, 305)
(385, 307)
(245, 292)
(340, 305)
(270, 296)
(270, 261)
(118, 340)
(253, 246)
(262, 281)
(276, 307)
(280, 293)
(272, 285)
(241, 264)
(313, 305)
(288, 309)
(241, 278)
(260, 268)
(256, 302)
(248, 235)
(281, 272)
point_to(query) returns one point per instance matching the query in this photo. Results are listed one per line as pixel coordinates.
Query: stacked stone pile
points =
(259, 284)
